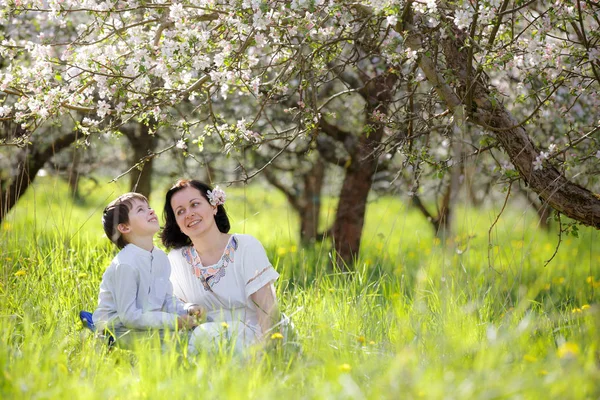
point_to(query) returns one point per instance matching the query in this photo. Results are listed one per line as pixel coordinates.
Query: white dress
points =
(224, 289)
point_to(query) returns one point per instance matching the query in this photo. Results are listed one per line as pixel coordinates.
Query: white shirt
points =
(224, 289)
(136, 293)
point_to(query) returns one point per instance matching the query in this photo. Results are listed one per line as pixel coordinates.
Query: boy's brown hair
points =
(117, 212)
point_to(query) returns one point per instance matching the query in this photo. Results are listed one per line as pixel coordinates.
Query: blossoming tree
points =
(526, 73)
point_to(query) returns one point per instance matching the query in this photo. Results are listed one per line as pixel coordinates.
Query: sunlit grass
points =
(416, 320)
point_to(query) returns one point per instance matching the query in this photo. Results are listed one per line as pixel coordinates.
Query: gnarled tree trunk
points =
(561, 194)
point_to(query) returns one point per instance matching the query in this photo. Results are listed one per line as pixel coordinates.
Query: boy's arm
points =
(126, 286)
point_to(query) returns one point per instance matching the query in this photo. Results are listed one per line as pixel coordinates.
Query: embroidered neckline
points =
(212, 274)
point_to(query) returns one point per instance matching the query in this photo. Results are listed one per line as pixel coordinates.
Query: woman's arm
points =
(266, 303)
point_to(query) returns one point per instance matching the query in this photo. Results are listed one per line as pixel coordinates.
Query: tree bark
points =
(311, 205)
(32, 160)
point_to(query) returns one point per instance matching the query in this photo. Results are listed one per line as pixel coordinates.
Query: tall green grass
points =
(416, 320)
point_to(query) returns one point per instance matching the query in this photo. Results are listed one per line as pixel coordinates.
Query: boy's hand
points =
(197, 311)
(187, 322)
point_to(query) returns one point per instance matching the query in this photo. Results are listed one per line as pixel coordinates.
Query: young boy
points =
(136, 294)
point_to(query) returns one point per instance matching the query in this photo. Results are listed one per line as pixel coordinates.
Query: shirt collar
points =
(138, 251)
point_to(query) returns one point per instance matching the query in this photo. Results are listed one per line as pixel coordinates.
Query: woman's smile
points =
(193, 212)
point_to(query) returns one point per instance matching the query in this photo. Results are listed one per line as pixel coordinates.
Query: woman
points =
(229, 275)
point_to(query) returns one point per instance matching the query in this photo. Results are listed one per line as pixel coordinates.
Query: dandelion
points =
(281, 251)
(529, 358)
(585, 307)
(277, 336)
(345, 367)
(225, 325)
(590, 279)
(361, 339)
(372, 342)
(568, 350)
(20, 272)
(82, 275)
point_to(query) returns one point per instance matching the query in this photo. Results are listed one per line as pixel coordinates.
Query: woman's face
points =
(193, 213)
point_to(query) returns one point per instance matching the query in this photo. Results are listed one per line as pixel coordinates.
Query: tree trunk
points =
(32, 160)
(143, 144)
(73, 174)
(311, 204)
(350, 214)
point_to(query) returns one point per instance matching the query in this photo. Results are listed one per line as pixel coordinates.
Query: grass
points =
(416, 319)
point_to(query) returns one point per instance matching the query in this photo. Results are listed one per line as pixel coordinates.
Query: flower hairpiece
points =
(216, 197)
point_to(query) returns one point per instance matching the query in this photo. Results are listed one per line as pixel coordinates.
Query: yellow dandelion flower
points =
(590, 279)
(225, 325)
(82, 275)
(372, 342)
(543, 372)
(568, 350)
(281, 251)
(437, 241)
(529, 358)
(293, 249)
(345, 367)
(21, 272)
(277, 336)
(361, 339)
(585, 307)
(576, 310)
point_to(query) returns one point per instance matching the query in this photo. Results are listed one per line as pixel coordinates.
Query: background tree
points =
(503, 66)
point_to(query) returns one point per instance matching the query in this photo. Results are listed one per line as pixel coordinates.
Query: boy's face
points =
(142, 220)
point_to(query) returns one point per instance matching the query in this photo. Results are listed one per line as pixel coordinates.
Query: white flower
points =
(216, 197)
(392, 20)
(537, 164)
(181, 144)
(431, 5)
(462, 19)
(103, 108)
(411, 55)
(4, 111)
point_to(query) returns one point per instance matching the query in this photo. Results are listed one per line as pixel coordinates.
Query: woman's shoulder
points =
(178, 252)
(244, 240)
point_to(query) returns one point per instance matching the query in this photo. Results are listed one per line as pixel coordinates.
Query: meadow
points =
(482, 317)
